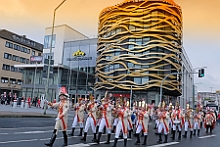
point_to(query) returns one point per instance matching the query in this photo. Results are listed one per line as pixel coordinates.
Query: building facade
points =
(74, 65)
(15, 49)
(139, 44)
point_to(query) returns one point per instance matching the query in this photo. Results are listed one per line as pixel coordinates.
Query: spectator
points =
(218, 120)
(29, 102)
(9, 98)
(4, 99)
(38, 102)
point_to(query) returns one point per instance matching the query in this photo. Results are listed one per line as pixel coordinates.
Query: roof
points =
(129, 1)
(21, 39)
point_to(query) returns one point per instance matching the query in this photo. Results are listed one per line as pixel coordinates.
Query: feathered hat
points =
(177, 104)
(163, 104)
(63, 91)
(187, 106)
(143, 103)
(91, 97)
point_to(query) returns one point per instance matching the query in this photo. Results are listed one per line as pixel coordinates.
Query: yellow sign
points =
(78, 53)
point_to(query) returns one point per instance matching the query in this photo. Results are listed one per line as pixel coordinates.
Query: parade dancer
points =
(178, 121)
(62, 118)
(170, 118)
(91, 119)
(130, 126)
(208, 120)
(197, 119)
(188, 121)
(122, 124)
(79, 117)
(106, 120)
(142, 123)
(115, 115)
(163, 116)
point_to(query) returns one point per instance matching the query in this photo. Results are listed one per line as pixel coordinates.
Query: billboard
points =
(36, 58)
(80, 54)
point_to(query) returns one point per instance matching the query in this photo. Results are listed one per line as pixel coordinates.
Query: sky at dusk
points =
(201, 27)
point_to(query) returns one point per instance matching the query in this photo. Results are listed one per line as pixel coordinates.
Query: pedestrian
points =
(62, 117)
(4, 99)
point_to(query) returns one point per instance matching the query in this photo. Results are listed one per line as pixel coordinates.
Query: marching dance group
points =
(117, 117)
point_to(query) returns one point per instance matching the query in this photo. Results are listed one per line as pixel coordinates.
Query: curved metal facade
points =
(139, 43)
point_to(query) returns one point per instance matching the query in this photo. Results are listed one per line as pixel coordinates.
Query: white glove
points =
(57, 119)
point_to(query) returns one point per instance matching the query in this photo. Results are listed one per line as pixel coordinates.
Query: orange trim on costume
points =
(144, 129)
(124, 129)
(166, 127)
(93, 119)
(63, 123)
(129, 122)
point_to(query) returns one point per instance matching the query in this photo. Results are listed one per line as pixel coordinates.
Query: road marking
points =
(19, 141)
(93, 143)
(78, 145)
(207, 136)
(4, 133)
(164, 144)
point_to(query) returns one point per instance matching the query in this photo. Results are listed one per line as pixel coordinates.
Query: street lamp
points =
(51, 42)
(194, 84)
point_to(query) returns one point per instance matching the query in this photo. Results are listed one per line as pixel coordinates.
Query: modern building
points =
(15, 49)
(74, 57)
(139, 44)
(62, 33)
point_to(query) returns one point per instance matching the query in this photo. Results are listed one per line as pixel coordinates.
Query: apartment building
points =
(15, 49)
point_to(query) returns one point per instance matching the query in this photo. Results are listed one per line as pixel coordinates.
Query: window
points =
(14, 58)
(33, 53)
(19, 82)
(17, 58)
(4, 80)
(47, 41)
(17, 47)
(12, 68)
(137, 80)
(39, 54)
(22, 60)
(12, 81)
(7, 44)
(5, 67)
(28, 51)
(23, 49)
(7, 56)
(27, 61)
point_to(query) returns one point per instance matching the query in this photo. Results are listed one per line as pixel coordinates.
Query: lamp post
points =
(161, 89)
(51, 42)
(35, 72)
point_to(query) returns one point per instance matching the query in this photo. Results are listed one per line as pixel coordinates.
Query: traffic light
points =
(201, 73)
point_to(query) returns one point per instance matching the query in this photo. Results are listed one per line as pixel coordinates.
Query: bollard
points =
(26, 105)
(14, 103)
(22, 103)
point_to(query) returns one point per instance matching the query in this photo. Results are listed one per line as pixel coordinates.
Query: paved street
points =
(33, 132)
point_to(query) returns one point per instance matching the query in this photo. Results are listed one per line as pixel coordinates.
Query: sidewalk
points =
(9, 111)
